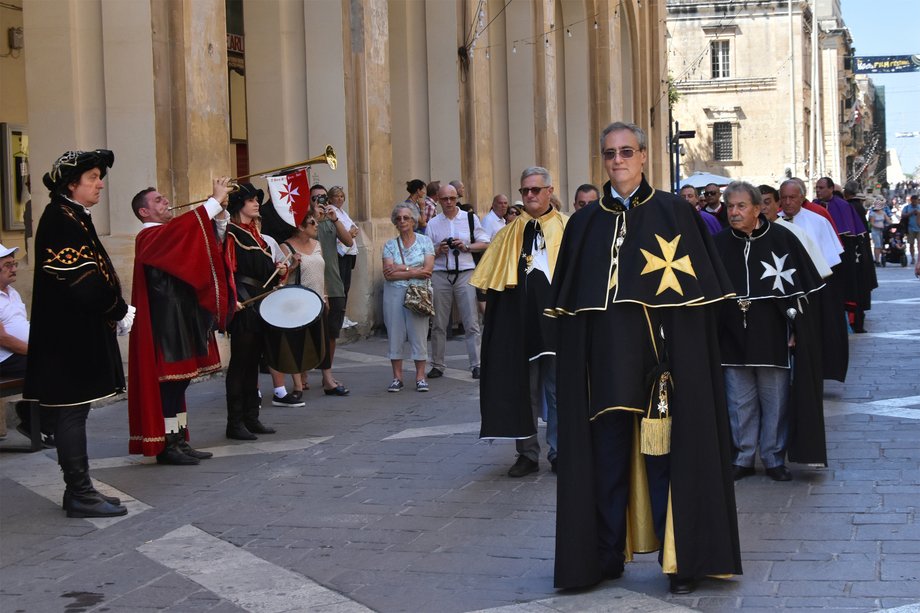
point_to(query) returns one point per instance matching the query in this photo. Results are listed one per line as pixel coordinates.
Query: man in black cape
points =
(635, 292)
(772, 274)
(518, 353)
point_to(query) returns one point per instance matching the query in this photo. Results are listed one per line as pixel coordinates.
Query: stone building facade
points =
(398, 88)
(768, 96)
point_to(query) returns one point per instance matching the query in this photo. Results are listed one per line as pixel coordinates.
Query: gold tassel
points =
(655, 434)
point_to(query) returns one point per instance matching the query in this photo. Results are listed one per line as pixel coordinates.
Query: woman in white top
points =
(407, 260)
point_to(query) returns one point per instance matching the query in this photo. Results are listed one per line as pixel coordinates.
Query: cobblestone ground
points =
(389, 502)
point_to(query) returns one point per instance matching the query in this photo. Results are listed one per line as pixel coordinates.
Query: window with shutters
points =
(722, 144)
(718, 50)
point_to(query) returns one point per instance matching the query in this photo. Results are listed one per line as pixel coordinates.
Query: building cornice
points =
(726, 85)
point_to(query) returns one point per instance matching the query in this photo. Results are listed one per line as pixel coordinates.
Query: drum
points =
(294, 335)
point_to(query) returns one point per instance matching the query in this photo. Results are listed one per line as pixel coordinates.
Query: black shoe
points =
(476, 372)
(435, 373)
(614, 573)
(239, 432)
(338, 390)
(288, 400)
(552, 467)
(681, 586)
(523, 467)
(740, 472)
(47, 439)
(188, 450)
(779, 473)
(257, 427)
(172, 455)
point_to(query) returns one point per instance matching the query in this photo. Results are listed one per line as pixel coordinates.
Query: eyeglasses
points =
(447, 198)
(404, 218)
(532, 190)
(624, 153)
(11, 265)
(711, 193)
(513, 212)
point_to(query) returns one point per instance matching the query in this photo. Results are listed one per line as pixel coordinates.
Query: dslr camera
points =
(452, 243)
(321, 199)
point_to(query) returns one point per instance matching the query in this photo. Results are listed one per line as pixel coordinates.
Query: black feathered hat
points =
(71, 165)
(240, 196)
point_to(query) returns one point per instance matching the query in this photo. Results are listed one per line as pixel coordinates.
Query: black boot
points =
(252, 419)
(80, 498)
(172, 455)
(235, 428)
(109, 499)
(187, 449)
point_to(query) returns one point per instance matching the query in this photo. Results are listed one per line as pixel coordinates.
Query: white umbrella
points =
(702, 179)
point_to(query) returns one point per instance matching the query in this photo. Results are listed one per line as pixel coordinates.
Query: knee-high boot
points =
(235, 427)
(80, 498)
(251, 418)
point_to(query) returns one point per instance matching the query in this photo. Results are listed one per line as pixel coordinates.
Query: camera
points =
(321, 199)
(452, 243)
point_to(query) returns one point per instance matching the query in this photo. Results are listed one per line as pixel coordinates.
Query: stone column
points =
(545, 91)
(476, 116)
(192, 99)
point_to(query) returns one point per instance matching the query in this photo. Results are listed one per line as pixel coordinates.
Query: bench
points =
(12, 387)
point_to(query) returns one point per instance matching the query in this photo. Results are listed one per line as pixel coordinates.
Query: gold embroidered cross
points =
(668, 264)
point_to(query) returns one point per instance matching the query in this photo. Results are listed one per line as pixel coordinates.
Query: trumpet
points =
(327, 157)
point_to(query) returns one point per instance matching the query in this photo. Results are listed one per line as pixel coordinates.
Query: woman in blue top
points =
(407, 260)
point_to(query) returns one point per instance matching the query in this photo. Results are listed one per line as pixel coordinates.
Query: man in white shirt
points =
(454, 245)
(14, 324)
(494, 220)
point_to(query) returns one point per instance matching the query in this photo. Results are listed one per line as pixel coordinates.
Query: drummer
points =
(179, 300)
(253, 260)
(305, 247)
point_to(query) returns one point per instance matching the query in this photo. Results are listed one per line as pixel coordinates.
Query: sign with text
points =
(887, 63)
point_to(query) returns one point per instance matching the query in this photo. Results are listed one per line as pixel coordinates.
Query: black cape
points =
(606, 355)
(514, 332)
(76, 303)
(776, 275)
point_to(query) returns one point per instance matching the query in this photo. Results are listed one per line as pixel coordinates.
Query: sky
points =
(890, 27)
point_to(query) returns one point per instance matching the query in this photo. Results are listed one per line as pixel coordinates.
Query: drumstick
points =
(277, 270)
(246, 303)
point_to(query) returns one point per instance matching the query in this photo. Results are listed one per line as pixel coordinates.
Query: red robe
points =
(187, 249)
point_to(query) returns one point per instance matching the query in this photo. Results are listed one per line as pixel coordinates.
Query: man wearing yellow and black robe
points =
(518, 348)
(644, 439)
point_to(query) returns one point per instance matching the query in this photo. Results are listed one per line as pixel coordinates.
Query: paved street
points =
(389, 502)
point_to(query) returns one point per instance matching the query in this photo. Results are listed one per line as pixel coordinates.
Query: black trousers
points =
(242, 380)
(172, 397)
(612, 437)
(69, 427)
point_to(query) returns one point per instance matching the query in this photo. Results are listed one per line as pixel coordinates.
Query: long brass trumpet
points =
(327, 157)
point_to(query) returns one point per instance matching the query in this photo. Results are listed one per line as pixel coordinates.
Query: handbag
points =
(418, 297)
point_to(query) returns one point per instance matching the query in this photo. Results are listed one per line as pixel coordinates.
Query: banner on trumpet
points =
(290, 195)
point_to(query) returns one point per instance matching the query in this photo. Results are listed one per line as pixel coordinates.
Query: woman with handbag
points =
(407, 304)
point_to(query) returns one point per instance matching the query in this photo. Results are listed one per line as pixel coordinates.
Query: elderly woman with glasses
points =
(408, 260)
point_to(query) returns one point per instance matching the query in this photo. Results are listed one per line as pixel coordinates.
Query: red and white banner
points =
(291, 195)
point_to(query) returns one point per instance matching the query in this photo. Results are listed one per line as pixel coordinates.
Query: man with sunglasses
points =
(712, 197)
(644, 436)
(453, 267)
(519, 358)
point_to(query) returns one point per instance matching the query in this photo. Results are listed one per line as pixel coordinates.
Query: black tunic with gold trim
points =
(76, 303)
(252, 265)
(635, 295)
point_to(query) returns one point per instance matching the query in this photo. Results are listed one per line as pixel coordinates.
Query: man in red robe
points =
(181, 293)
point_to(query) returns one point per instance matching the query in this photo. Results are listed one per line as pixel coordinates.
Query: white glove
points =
(124, 326)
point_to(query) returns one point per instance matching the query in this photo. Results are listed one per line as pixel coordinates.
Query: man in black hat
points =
(77, 310)
(251, 262)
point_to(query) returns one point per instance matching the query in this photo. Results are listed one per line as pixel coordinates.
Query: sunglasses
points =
(311, 222)
(513, 212)
(711, 193)
(532, 190)
(404, 218)
(624, 153)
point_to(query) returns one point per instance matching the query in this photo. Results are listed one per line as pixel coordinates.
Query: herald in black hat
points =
(71, 165)
(245, 192)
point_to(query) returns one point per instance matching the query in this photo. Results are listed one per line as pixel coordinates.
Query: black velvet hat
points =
(239, 197)
(71, 165)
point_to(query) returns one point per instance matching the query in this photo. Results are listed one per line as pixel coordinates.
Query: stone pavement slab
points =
(389, 502)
